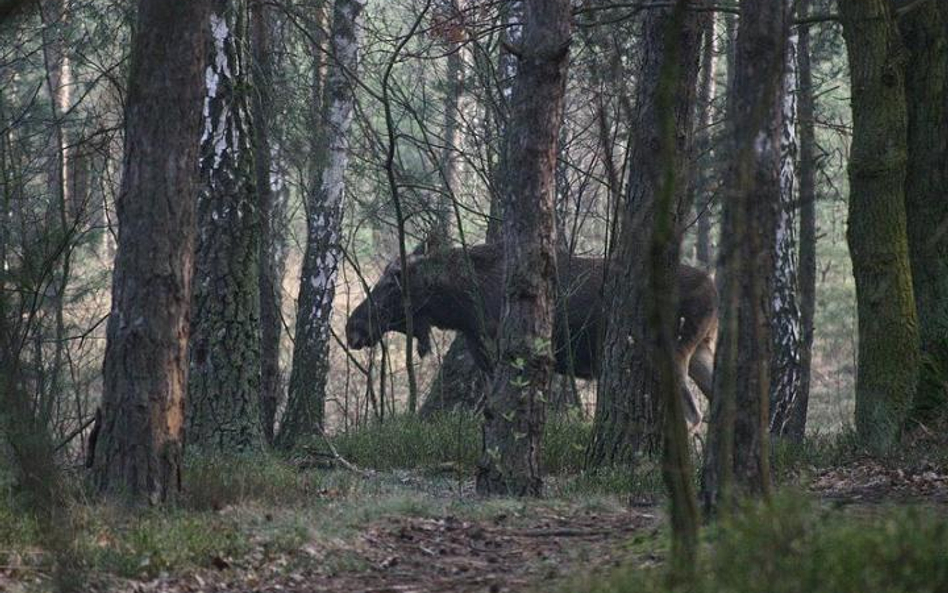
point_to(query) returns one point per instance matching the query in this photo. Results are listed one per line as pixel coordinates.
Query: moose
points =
(462, 290)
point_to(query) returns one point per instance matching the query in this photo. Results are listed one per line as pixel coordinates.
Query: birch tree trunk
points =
(224, 387)
(737, 460)
(515, 409)
(139, 449)
(888, 355)
(306, 400)
(629, 414)
(785, 366)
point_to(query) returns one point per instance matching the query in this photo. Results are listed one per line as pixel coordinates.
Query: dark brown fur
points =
(463, 291)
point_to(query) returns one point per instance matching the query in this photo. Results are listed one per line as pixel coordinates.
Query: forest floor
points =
(272, 526)
(404, 531)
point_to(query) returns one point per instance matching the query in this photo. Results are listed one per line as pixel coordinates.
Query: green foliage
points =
(791, 546)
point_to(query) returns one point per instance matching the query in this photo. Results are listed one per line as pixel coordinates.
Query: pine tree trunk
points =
(139, 449)
(224, 386)
(785, 365)
(271, 200)
(888, 355)
(702, 185)
(737, 458)
(306, 399)
(515, 409)
(806, 277)
(925, 34)
(628, 420)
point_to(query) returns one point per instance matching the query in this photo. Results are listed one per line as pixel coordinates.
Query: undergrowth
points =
(793, 546)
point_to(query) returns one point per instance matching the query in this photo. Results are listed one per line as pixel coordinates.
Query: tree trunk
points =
(224, 387)
(271, 200)
(139, 449)
(806, 276)
(628, 420)
(785, 371)
(925, 34)
(737, 459)
(703, 179)
(306, 400)
(514, 412)
(888, 353)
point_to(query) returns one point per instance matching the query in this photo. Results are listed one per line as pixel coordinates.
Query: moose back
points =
(462, 290)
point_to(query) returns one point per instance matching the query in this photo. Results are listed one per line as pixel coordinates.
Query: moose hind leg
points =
(701, 369)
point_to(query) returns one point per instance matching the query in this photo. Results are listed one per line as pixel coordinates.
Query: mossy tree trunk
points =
(306, 400)
(628, 420)
(224, 385)
(515, 408)
(925, 35)
(888, 354)
(737, 455)
(139, 449)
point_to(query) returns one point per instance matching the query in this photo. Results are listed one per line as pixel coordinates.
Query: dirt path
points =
(415, 555)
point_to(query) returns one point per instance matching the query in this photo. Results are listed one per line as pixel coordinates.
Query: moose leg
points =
(701, 369)
(692, 411)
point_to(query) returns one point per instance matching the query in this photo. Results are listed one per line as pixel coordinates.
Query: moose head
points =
(384, 309)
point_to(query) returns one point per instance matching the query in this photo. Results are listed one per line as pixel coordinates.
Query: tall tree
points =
(628, 420)
(224, 386)
(139, 449)
(785, 367)
(673, 105)
(271, 205)
(306, 399)
(514, 412)
(888, 355)
(925, 35)
(737, 459)
(795, 425)
(702, 186)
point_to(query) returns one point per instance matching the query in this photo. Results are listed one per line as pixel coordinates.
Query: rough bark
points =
(737, 459)
(306, 399)
(224, 385)
(806, 274)
(925, 35)
(785, 365)
(514, 412)
(628, 421)
(271, 202)
(139, 449)
(682, 35)
(888, 354)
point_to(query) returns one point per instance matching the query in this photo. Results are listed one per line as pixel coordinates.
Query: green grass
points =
(410, 442)
(792, 546)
